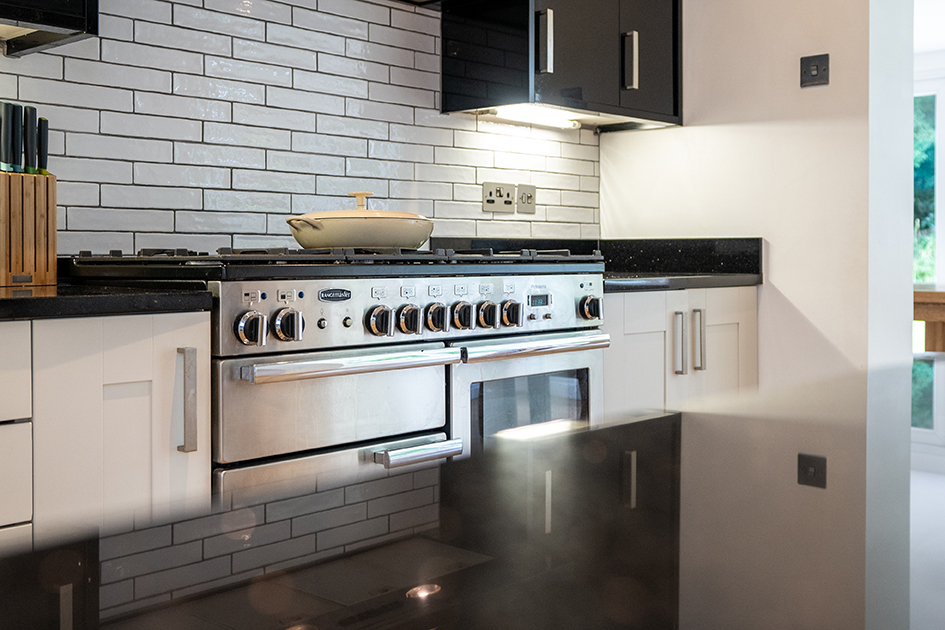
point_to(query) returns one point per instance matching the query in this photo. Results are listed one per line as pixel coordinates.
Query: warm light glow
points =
(423, 591)
(541, 430)
(534, 114)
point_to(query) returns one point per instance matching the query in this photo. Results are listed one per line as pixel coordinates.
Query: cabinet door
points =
(731, 348)
(16, 473)
(586, 52)
(635, 363)
(649, 27)
(15, 381)
(16, 539)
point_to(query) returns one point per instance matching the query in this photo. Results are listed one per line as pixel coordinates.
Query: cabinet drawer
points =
(15, 369)
(16, 539)
(16, 473)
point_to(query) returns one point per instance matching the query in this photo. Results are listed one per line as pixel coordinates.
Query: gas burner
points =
(169, 253)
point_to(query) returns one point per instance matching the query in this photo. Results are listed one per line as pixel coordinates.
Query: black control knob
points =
(438, 317)
(379, 321)
(489, 315)
(288, 324)
(252, 328)
(464, 316)
(347, 322)
(323, 323)
(410, 319)
(513, 313)
(591, 307)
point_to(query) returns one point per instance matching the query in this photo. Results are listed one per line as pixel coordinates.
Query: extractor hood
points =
(33, 25)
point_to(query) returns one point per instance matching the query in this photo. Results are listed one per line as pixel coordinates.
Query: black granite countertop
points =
(623, 282)
(66, 300)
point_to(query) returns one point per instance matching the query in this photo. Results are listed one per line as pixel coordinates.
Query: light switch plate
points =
(812, 470)
(815, 70)
(525, 198)
(498, 197)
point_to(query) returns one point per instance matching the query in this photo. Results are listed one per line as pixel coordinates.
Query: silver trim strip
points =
(284, 371)
(190, 400)
(396, 458)
(521, 348)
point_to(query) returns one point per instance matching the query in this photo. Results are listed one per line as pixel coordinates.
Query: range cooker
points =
(341, 358)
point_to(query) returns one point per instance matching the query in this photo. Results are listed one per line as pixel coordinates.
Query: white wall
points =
(203, 124)
(822, 174)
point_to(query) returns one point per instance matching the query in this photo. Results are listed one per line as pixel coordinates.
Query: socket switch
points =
(815, 70)
(525, 198)
(812, 470)
(498, 197)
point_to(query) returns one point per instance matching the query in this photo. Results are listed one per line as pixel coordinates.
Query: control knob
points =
(288, 324)
(438, 317)
(489, 316)
(591, 307)
(379, 321)
(464, 316)
(252, 328)
(513, 313)
(410, 319)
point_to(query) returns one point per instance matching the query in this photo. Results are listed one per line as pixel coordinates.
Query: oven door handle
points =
(285, 371)
(395, 458)
(523, 349)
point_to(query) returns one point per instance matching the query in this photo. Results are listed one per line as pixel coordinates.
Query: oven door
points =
(537, 380)
(276, 405)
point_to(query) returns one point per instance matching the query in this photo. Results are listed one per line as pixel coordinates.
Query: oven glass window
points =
(558, 399)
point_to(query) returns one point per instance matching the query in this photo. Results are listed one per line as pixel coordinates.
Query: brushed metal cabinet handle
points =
(396, 458)
(680, 354)
(546, 41)
(698, 327)
(547, 501)
(66, 607)
(631, 61)
(190, 400)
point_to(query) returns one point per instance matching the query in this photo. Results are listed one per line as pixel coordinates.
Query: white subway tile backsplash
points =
(467, 157)
(151, 197)
(305, 39)
(379, 53)
(415, 517)
(359, 167)
(460, 210)
(248, 71)
(70, 119)
(86, 170)
(467, 192)
(328, 519)
(519, 160)
(589, 137)
(420, 190)
(174, 175)
(154, 583)
(401, 38)
(83, 49)
(273, 54)
(77, 194)
(544, 229)
(332, 538)
(94, 145)
(116, 594)
(590, 231)
(71, 243)
(191, 85)
(329, 84)
(427, 63)
(439, 173)
(415, 78)
(181, 107)
(268, 117)
(334, 125)
(57, 143)
(305, 163)
(548, 197)
(372, 110)
(150, 561)
(343, 185)
(255, 241)
(590, 184)
(8, 86)
(195, 242)
(276, 552)
(415, 22)
(207, 155)
(331, 145)
(399, 151)
(213, 22)
(418, 206)
(556, 180)
(240, 135)
(433, 118)
(140, 9)
(241, 201)
(503, 229)
(103, 219)
(269, 181)
(99, 73)
(216, 222)
(37, 65)
(448, 228)
(507, 176)
(303, 204)
(258, 9)
(328, 23)
(182, 38)
(485, 141)
(581, 152)
(126, 53)
(580, 199)
(421, 135)
(387, 93)
(566, 214)
(343, 66)
(557, 135)
(112, 27)
(245, 539)
(305, 101)
(356, 9)
(44, 91)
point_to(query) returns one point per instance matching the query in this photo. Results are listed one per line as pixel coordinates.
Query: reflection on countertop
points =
(68, 300)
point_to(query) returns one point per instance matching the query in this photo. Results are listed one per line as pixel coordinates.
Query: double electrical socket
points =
(508, 198)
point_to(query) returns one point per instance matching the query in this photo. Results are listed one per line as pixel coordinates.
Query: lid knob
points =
(362, 198)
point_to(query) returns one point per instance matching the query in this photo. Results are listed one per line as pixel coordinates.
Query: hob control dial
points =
(591, 307)
(464, 316)
(288, 324)
(410, 319)
(489, 315)
(252, 328)
(438, 317)
(513, 313)
(380, 321)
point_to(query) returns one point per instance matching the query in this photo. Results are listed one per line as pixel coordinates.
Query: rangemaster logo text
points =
(334, 295)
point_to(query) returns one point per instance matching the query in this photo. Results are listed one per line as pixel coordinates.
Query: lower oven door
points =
(509, 383)
(276, 405)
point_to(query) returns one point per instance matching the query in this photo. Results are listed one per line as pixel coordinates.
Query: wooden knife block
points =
(27, 230)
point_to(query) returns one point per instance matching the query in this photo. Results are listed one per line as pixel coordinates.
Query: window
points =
(923, 207)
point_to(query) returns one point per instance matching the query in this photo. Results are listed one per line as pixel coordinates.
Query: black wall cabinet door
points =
(653, 24)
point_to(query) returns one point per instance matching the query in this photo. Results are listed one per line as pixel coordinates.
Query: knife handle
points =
(29, 139)
(42, 145)
(17, 135)
(6, 137)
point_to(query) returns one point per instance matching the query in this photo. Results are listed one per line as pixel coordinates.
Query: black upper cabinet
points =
(50, 23)
(617, 57)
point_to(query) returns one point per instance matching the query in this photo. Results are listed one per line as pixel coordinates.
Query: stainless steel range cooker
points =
(350, 358)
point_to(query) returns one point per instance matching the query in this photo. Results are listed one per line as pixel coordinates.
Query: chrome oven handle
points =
(323, 368)
(395, 458)
(522, 349)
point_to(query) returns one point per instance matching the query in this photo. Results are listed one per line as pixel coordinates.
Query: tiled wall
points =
(248, 538)
(204, 123)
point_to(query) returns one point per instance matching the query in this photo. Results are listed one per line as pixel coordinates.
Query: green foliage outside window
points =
(923, 380)
(923, 159)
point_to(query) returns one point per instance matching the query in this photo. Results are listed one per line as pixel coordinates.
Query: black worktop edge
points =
(683, 256)
(98, 303)
(672, 283)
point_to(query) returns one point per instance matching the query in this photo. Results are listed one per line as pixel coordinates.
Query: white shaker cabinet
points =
(114, 398)
(15, 370)
(671, 348)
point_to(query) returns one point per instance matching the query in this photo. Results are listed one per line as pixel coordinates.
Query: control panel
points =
(271, 316)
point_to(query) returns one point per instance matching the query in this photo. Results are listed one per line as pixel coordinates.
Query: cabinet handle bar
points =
(546, 41)
(631, 60)
(698, 327)
(190, 400)
(680, 354)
